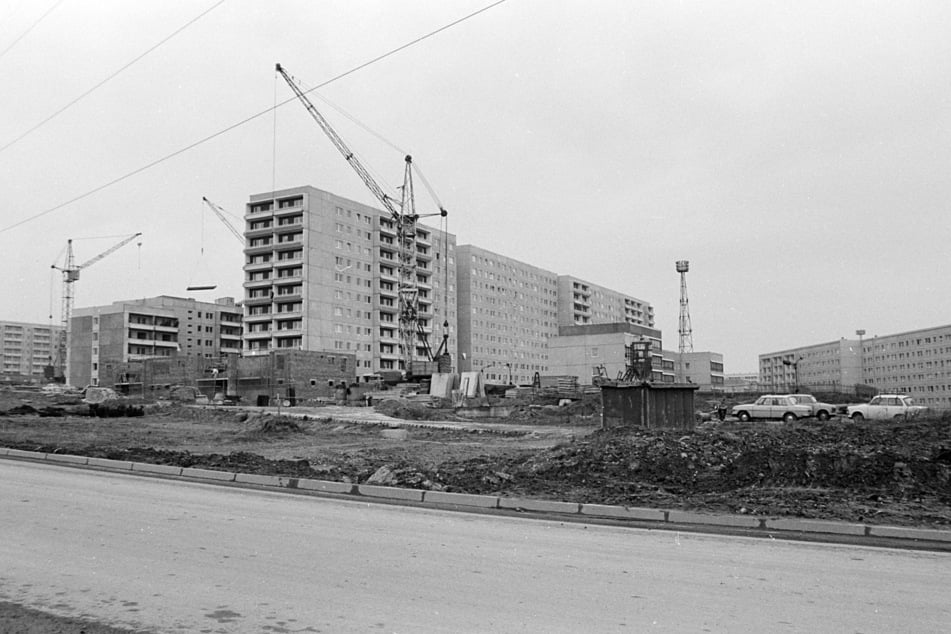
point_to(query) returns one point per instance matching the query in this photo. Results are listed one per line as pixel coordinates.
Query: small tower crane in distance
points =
(220, 212)
(70, 272)
(403, 213)
(224, 220)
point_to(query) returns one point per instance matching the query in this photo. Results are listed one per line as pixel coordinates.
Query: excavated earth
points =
(896, 473)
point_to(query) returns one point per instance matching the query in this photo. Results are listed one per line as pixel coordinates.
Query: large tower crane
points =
(70, 272)
(403, 213)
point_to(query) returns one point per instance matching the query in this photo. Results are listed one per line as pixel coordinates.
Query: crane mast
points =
(404, 217)
(70, 272)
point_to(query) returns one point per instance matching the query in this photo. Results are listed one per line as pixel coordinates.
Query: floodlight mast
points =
(404, 216)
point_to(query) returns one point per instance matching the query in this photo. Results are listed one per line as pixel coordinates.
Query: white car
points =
(822, 411)
(885, 407)
(772, 406)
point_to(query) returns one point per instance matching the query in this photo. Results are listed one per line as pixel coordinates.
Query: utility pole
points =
(861, 333)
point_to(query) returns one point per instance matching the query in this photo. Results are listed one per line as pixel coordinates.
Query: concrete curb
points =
(643, 517)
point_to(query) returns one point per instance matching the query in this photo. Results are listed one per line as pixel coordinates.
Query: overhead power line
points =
(112, 76)
(30, 28)
(231, 127)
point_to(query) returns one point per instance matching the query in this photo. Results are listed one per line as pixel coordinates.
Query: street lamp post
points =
(795, 366)
(861, 333)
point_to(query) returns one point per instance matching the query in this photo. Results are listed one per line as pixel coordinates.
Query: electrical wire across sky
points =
(242, 122)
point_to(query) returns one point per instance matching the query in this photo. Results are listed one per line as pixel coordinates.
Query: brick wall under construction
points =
(296, 376)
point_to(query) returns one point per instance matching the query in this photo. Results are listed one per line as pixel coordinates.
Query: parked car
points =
(772, 406)
(822, 411)
(885, 407)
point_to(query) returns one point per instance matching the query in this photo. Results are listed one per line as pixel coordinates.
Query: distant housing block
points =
(917, 363)
(27, 349)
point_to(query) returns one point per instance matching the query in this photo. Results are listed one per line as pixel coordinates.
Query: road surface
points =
(170, 556)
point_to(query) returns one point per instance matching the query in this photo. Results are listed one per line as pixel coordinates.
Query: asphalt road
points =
(157, 555)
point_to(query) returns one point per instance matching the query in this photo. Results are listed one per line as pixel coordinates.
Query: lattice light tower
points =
(685, 330)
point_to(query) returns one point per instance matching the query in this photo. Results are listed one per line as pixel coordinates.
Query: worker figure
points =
(721, 410)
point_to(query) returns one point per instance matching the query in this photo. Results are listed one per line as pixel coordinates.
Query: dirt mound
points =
(893, 461)
(277, 425)
(408, 410)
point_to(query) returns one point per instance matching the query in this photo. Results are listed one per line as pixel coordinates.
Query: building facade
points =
(508, 310)
(322, 274)
(27, 349)
(917, 363)
(294, 377)
(162, 326)
(582, 303)
(599, 350)
(704, 369)
(826, 367)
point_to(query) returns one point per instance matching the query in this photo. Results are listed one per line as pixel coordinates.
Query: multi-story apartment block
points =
(831, 366)
(917, 363)
(507, 312)
(322, 274)
(27, 349)
(583, 303)
(161, 326)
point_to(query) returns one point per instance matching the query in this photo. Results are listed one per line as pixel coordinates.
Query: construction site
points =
(889, 473)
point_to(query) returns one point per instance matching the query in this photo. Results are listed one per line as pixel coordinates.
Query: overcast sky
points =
(797, 154)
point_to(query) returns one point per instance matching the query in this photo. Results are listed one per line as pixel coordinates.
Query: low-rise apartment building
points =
(162, 326)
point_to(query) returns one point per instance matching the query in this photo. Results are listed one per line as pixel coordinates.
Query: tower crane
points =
(221, 216)
(70, 272)
(403, 213)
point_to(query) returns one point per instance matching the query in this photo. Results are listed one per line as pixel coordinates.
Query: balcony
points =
(289, 314)
(288, 241)
(257, 318)
(261, 248)
(291, 227)
(296, 207)
(289, 258)
(258, 266)
(265, 283)
(257, 301)
(166, 344)
(258, 233)
(289, 279)
(256, 336)
(288, 294)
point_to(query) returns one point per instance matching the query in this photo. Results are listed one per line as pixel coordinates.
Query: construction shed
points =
(667, 406)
